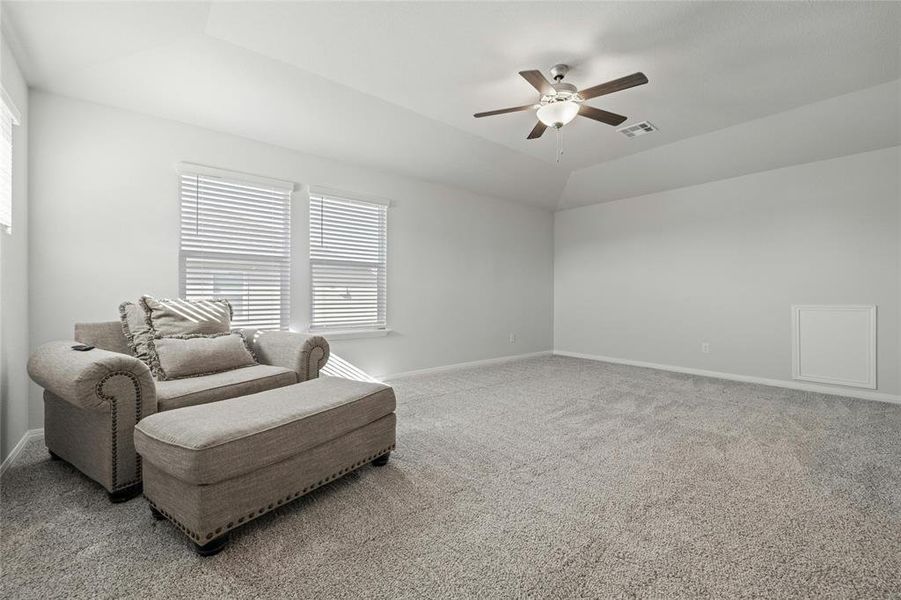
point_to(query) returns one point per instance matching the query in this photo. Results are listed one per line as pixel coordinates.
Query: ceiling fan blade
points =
(617, 85)
(538, 81)
(502, 111)
(601, 115)
(536, 131)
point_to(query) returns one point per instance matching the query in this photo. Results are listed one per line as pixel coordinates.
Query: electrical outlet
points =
(705, 347)
(512, 338)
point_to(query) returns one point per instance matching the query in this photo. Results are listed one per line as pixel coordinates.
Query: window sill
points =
(350, 334)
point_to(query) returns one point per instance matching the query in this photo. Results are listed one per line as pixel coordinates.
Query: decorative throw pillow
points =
(185, 317)
(193, 355)
(148, 317)
(137, 332)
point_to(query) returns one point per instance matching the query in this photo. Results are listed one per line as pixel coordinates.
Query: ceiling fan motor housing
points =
(564, 88)
(558, 72)
(562, 91)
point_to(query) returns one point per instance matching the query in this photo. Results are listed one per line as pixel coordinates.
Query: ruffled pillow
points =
(149, 317)
(185, 317)
(137, 332)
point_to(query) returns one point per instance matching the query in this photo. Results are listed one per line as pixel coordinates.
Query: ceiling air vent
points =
(638, 129)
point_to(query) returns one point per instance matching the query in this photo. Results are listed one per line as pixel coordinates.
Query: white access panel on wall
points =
(835, 344)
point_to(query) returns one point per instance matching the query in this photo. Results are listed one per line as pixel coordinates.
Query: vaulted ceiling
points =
(393, 85)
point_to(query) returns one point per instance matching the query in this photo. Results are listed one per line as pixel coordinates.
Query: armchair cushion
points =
(178, 393)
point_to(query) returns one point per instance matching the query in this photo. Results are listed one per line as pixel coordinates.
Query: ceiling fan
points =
(560, 102)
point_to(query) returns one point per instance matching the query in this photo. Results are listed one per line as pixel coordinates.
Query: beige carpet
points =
(543, 478)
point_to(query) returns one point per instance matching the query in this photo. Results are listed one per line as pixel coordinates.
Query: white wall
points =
(14, 273)
(649, 278)
(464, 270)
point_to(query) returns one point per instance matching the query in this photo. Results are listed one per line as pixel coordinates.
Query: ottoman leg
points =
(214, 547)
(126, 494)
(157, 515)
(382, 460)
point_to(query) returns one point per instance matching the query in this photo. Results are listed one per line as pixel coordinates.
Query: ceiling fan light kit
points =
(559, 103)
(558, 114)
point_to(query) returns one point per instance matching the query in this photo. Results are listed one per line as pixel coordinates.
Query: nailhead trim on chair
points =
(204, 539)
(115, 429)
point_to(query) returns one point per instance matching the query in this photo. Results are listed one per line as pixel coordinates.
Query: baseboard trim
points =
(17, 449)
(781, 383)
(474, 363)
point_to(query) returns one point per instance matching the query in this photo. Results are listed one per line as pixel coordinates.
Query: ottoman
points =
(213, 467)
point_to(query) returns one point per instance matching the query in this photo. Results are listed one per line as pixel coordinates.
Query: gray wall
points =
(464, 271)
(649, 278)
(14, 274)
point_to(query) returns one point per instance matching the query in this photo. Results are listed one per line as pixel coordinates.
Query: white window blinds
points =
(236, 244)
(348, 260)
(8, 118)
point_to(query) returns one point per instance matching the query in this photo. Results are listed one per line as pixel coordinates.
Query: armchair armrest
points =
(304, 354)
(87, 379)
(92, 402)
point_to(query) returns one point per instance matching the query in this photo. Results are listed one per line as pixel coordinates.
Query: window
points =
(236, 244)
(348, 257)
(8, 118)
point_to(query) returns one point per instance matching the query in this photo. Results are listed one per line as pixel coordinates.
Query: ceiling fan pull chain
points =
(559, 144)
(557, 140)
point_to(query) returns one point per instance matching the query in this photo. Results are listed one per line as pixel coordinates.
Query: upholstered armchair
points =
(94, 399)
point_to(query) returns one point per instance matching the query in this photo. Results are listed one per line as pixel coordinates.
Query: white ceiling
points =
(393, 85)
(869, 119)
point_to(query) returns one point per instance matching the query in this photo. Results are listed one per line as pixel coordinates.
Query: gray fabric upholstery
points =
(192, 391)
(67, 428)
(212, 442)
(178, 317)
(179, 356)
(304, 354)
(106, 335)
(92, 402)
(81, 377)
(93, 399)
(206, 512)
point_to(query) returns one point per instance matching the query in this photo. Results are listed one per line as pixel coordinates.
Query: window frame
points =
(378, 328)
(284, 263)
(8, 111)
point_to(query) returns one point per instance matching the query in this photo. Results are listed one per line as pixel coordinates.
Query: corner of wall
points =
(14, 306)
